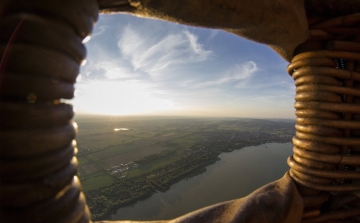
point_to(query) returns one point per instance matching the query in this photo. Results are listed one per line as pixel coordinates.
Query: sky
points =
(138, 66)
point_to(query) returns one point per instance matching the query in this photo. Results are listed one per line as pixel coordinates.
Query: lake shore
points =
(241, 172)
(106, 201)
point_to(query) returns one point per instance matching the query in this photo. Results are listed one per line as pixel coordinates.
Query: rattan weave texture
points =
(41, 51)
(326, 160)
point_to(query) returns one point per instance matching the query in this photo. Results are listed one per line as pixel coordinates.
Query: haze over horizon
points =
(139, 66)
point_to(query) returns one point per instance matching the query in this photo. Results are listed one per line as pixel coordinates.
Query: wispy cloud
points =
(158, 53)
(115, 70)
(186, 83)
(213, 33)
(147, 66)
(99, 31)
(106, 67)
(241, 72)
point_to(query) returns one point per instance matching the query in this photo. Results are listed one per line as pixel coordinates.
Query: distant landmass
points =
(125, 159)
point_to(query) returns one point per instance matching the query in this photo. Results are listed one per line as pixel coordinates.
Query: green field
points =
(156, 142)
(98, 181)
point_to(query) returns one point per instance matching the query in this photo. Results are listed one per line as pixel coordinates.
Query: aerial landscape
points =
(127, 159)
(179, 111)
(160, 94)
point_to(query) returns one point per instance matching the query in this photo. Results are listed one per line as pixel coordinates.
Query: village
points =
(121, 170)
(193, 161)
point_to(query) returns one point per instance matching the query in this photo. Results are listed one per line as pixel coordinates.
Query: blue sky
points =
(139, 66)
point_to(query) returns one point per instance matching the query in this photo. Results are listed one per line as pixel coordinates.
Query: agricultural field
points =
(102, 147)
(123, 159)
(107, 141)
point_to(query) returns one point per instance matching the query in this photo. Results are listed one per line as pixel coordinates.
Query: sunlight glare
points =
(119, 98)
(120, 129)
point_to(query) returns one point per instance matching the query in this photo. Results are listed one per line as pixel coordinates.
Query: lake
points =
(237, 174)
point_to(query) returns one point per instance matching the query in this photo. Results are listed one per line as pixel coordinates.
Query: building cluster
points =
(121, 170)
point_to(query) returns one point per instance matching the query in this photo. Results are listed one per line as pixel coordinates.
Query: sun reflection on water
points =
(120, 129)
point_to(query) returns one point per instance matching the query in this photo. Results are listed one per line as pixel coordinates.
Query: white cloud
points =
(199, 53)
(115, 70)
(241, 72)
(149, 66)
(156, 54)
(185, 83)
(107, 68)
(99, 31)
(213, 33)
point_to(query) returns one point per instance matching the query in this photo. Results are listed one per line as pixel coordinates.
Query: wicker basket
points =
(41, 51)
(326, 159)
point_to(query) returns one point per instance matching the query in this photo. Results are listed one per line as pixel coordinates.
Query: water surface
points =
(237, 174)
